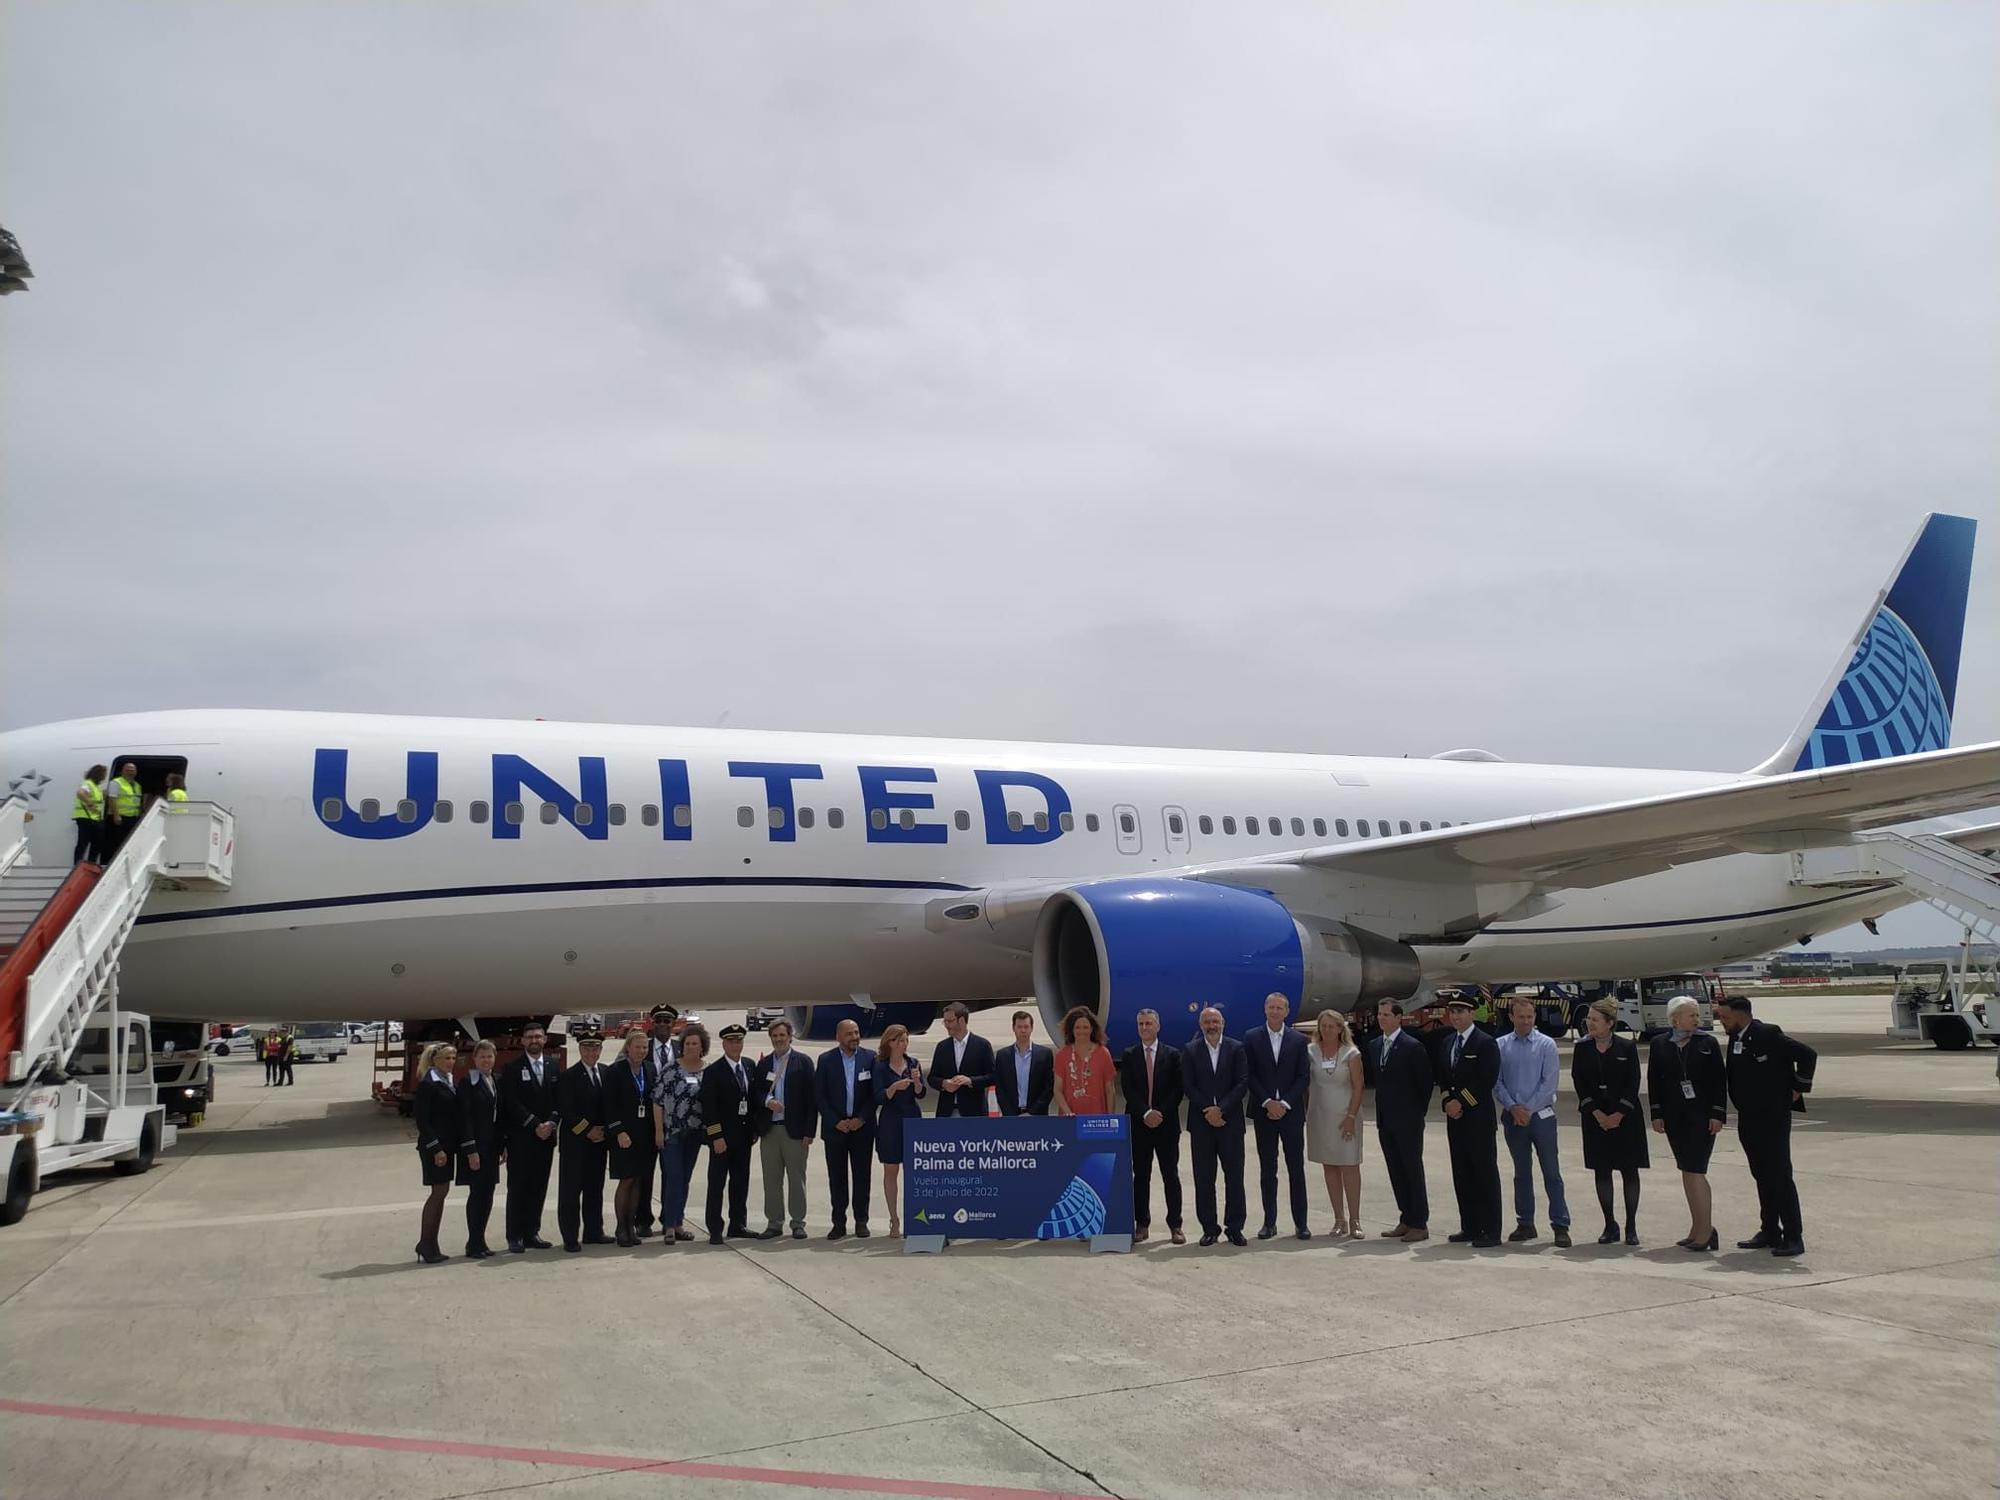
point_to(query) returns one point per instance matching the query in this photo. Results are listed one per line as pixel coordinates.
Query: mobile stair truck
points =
(76, 1070)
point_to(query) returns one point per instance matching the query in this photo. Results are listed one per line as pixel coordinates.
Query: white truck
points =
(319, 1041)
(101, 1107)
(1950, 1008)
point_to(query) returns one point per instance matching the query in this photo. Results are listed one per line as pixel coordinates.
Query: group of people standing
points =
(664, 1104)
(279, 1048)
(105, 814)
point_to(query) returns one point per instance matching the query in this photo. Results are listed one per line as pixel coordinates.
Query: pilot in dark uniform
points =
(528, 1118)
(727, 1127)
(665, 1057)
(581, 1145)
(1769, 1075)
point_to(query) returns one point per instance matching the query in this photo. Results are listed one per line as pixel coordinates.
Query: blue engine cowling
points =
(1173, 945)
(817, 1023)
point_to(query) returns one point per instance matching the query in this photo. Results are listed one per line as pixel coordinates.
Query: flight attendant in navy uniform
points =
(479, 1149)
(628, 1101)
(434, 1108)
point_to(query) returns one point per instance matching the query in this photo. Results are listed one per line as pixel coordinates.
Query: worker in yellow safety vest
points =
(176, 790)
(128, 798)
(88, 812)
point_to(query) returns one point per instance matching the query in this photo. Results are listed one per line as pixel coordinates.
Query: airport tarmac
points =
(248, 1319)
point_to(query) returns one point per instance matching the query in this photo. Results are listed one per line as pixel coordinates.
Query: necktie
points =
(1149, 1077)
(1457, 1046)
(739, 1079)
(593, 1077)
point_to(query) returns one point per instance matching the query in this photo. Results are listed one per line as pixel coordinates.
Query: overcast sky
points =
(1561, 380)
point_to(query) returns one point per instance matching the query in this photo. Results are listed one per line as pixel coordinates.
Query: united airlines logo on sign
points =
(1889, 702)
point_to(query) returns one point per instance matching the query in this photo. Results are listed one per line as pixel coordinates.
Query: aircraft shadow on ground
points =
(1901, 1116)
(350, 1123)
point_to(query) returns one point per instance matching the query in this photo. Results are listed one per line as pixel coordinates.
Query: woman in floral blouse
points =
(677, 1132)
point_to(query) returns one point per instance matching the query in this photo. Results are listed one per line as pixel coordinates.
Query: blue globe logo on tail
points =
(1889, 702)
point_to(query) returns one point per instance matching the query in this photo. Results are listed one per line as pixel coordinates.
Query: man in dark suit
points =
(786, 1111)
(1403, 1084)
(479, 1151)
(580, 1157)
(1024, 1076)
(1280, 1073)
(1769, 1076)
(726, 1123)
(1472, 1125)
(962, 1066)
(1149, 1075)
(845, 1083)
(528, 1114)
(1217, 1076)
(666, 1056)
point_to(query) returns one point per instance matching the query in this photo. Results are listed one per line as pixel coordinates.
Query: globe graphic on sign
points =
(1888, 702)
(1079, 1211)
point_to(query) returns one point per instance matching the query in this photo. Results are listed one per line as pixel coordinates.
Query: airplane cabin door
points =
(1125, 822)
(1175, 821)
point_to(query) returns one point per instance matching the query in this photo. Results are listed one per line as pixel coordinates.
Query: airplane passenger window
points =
(1319, 828)
(961, 820)
(746, 817)
(1228, 823)
(370, 809)
(1067, 822)
(615, 815)
(1425, 826)
(1174, 823)
(683, 816)
(1445, 824)
(1361, 827)
(1278, 826)
(1041, 822)
(1250, 826)
(516, 813)
(1382, 827)
(1404, 826)
(329, 810)
(877, 818)
(406, 811)
(835, 818)
(649, 815)
(1298, 828)
(441, 813)
(550, 812)
(476, 811)
(1340, 826)
(1205, 823)
(1090, 822)
(586, 814)
(907, 818)
(1013, 822)
(805, 817)
(776, 816)
(1127, 824)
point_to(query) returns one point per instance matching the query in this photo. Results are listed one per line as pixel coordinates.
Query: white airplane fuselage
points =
(680, 883)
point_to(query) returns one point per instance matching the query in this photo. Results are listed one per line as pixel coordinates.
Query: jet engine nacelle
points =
(1174, 945)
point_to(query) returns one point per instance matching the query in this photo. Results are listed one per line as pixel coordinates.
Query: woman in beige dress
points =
(1333, 1118)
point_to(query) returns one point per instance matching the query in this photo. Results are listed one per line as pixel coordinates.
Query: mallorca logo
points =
(960, 1217)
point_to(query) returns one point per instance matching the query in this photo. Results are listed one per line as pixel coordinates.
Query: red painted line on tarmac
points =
(932, 1489)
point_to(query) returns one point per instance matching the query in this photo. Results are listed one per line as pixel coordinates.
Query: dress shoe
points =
(645, 1231)
(1457, 1239)
(1177, 1237)
(1713, 1242)
(715, 1239)
(1304, 1233)
(1610, 1235)
(861, 1231)
(1235, 1237)
(431, 1257)
(744, 1234)
(798, 1231)
(536, 1242)
(838, 1232)
(771, 1234)
(515, 1247)
(597, 1239)
(1757, 1241)
(1139, 1235)
(1562, 1236)
(1268, 1232)
(473, 1252)
(1522, 1234)
(1487, 1242)
(1415, 1236)
(625, 1239)
(1397, 1233)
(1789, 1249)
(1632, 1236)
(1209, 1237)
(573, 1246)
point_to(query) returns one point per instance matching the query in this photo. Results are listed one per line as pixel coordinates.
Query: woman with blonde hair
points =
(629, 1107)
(1085, 1072)
(1333, 1118)
(898, 1096)
(435, 1110)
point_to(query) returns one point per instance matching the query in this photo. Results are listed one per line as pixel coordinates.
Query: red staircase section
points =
(29, 951)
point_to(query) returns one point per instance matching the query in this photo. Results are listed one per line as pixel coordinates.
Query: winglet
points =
(1893, 689)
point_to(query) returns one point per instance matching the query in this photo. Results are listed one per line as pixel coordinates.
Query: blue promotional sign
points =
(1024, 1177)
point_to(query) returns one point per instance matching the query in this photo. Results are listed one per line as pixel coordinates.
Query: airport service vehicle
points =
(231, 1041)
(319, 1041)
(183, 1071)
(1952, 1009)
(1643, 1003)
(455, 868)
(100, 1107)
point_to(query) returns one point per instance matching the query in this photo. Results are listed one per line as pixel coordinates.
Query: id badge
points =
(1687, 1089)
(642, 1109)
(742, 1106)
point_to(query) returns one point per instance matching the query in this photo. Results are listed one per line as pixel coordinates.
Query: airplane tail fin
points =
(1893, 689)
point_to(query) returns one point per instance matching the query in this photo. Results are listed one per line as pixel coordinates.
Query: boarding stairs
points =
(1957, 881)
(62, 929)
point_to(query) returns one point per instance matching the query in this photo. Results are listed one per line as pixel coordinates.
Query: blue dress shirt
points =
(849, 1061)
(1529, 1072)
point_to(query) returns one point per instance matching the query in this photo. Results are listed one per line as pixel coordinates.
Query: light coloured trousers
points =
(784, 1167)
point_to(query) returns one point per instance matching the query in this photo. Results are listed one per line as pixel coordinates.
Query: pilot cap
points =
(732, 1032)
(663, 1013)
(1459, 1002)
(584, 1034)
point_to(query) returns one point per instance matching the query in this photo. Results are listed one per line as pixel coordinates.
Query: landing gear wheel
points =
(1951, 1034)
(142, 1160)
(20, 1186)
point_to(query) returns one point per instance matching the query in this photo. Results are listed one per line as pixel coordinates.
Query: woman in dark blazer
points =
(628, 1109)
(435, 1109)
(1688, 1085)
(1605, 1075)
(479, 1147)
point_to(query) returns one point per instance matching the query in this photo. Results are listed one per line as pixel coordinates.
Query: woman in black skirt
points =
(435, 1109)
(1605, 1075)
(628, 1109)
(1689, 1088)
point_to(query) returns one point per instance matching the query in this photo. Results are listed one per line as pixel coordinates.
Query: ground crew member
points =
(88, 812)
(1769, 1075)
(288, 1057)
(176, 789)
(273, 1049)
(127, 800)
(730, 1132)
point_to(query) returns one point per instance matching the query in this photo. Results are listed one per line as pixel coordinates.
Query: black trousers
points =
(580, 1190)
(528, 1162)
(1402, 1144)
(1288, 1134)
(732, 1169)
(111, 838)
(1474, 1138)
(1767, 1145)
(285, 1066)
(642, 1211)
(850, 1156)
(89, 841)
(1163, 1145)
(479, 1208)
(1211, 1147)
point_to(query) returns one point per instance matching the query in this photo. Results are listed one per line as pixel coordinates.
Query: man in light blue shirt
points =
(1526, 1094)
